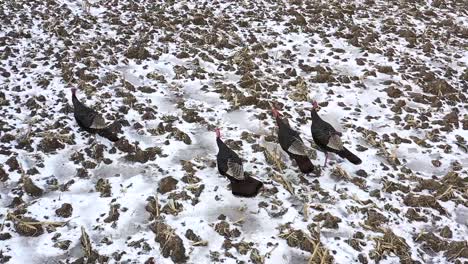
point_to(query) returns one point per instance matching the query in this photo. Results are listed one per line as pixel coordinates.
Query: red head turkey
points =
(328, 139)
(230, 165)
(90, 120)
(291, 143)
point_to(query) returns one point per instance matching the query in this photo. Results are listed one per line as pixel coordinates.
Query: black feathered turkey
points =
(90, 120)
(230, 165)
(291, 142)
(328, 139)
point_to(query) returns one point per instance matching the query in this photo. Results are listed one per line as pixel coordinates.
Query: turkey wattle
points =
(291, 143)
(90, 120)
(230, 165)
(328, 139)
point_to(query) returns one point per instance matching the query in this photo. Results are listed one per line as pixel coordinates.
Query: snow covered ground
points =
(392, 76)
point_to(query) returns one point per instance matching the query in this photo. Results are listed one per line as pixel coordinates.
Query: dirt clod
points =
(423, 201)
(50, 144)
(189, 234)
(439, 87)
(445, 232)
(29, 227)
(385, 69)
(375, 219)
(170, 243)
(113, 214)
(167, 184)
(431, 242)
(393, 245)
(223, 229)
(143, 156)
(31, 188)
(66, 210)
(12, 162)
(330, 221)
(393, 92)
(103, 186)
(5, 236)
(413, 215)
(63, 245)
(3, 175)
(137, 52)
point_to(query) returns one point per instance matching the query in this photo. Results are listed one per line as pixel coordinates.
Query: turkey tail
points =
(109, 134)
(304, 163)
(345, 153)
(245, 188)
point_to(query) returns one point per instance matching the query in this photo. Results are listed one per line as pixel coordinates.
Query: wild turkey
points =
(90, 120)
(328, 139)
(291, 142)
(230, 165)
